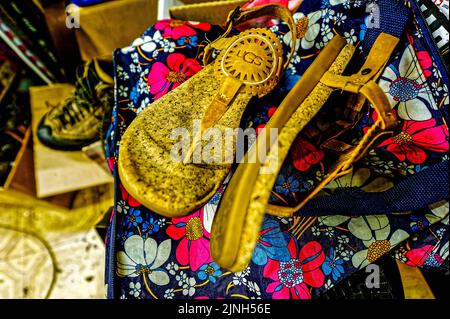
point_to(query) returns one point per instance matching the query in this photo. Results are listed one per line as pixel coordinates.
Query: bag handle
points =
(388, 16)
(395, 200)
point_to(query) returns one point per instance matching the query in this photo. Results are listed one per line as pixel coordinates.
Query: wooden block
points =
(214, 12)
(414, 284)
(21, 177)
(107, 26)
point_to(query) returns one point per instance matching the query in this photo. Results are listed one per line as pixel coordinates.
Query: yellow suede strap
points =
(239, 16)
(362, 83)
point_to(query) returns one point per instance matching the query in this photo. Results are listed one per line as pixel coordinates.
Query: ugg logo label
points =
(250, 57)
(253, 58)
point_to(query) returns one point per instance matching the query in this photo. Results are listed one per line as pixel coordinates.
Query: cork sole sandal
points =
(172, 177)
(237, 223)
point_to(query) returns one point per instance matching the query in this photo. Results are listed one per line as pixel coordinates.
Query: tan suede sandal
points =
(238, 221)
(174, 182)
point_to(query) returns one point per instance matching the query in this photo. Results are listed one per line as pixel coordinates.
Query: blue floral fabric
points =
(150, 256)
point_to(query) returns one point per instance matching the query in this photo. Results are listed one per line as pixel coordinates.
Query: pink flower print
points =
(163, 78)
(193, 248)
(176, 28)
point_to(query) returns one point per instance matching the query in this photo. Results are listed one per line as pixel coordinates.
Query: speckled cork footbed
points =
(238, 221)
(146, 168)
(249, 64)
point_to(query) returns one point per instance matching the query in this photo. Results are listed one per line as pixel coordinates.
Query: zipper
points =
(113, 224)
(111, 259)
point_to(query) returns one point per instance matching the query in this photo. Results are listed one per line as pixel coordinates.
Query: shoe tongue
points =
(104, 71)
(86, 77)
(90, 75)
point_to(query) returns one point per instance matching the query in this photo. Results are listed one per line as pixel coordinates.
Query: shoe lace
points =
(76, 107)
(85, 101)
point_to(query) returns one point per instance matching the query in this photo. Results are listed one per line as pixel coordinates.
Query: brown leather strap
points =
(373, 66)
(362, 84)
(238, 16)
(386, 121)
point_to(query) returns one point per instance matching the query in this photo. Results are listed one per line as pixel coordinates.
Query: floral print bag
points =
(301, 257)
